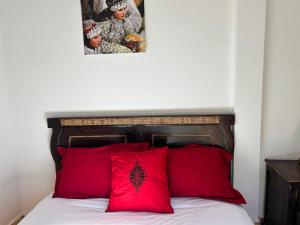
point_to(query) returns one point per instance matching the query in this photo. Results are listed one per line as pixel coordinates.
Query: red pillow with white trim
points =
(202, 171)
(139, 182)
(86, 172)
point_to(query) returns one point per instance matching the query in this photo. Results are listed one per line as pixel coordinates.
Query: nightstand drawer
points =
(298, 218)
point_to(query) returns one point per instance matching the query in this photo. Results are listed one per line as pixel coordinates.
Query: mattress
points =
(188, 211)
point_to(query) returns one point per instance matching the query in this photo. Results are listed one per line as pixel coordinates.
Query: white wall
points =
(9, 193)
(281, 102)
(250, 34)
(203, 56)
(188, 65)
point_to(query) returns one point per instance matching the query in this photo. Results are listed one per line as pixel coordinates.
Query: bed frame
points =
(157, 130)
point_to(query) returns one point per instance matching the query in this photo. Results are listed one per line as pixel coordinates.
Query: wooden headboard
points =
(157, 130)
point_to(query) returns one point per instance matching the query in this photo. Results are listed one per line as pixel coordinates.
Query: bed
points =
(190, 211)
(158, 131)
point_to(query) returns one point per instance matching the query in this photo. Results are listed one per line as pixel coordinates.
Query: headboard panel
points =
(157, 130)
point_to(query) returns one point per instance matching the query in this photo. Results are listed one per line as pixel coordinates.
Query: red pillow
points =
(200, 171)
(139, 182)
(86, 172)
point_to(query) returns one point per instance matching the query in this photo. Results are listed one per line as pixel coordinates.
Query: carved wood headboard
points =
(157, 130)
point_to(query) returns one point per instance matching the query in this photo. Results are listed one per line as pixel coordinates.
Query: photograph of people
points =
(119, 25)
(93, 42)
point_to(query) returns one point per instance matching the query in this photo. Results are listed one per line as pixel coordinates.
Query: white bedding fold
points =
(188, 211)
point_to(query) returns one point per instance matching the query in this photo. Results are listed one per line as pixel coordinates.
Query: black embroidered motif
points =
(137, 176)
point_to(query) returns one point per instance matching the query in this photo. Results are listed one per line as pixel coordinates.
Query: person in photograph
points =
(140, 6)
(102, 11)
(95, 44)
(118, 25)
(86, 10)
(118, 28)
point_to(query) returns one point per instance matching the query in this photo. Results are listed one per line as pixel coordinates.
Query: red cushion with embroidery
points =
(139, 182)
(201, 171)
(86, 172)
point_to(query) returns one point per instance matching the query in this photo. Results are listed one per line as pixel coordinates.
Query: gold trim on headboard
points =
(182, 120)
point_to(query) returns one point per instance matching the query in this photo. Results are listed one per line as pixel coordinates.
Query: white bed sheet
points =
(188, 211)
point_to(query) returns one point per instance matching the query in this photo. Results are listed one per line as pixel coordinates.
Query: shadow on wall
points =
(293, 146)
(295, 143)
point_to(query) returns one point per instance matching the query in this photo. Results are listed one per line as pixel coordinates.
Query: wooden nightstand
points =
(282, 202)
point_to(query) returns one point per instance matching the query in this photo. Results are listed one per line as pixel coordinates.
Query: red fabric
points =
(200, 171)
(139, 182)
(86, 172)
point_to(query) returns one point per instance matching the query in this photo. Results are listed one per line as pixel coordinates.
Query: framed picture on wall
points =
(113, 26)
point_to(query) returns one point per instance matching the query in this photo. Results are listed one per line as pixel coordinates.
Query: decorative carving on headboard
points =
(156, 130)
(182, 136)
(160, 120)
(86, 137)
